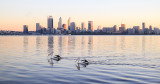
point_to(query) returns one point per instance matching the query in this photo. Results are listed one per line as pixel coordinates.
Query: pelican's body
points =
(57, 57)
(84, 62)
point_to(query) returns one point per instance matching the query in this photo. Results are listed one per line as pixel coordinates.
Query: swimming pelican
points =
(57, 57)
(84, 62)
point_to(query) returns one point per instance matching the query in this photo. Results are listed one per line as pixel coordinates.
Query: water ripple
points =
(112, 59)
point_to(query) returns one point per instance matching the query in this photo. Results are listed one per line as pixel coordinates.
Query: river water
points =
(112, 59)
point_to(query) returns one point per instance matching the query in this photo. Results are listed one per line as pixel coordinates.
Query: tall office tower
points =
(99, 28)
(72, 26)
(143, 26)
(25, 29)
(50, 24)
(150, 28)
(137, 29)
(122, 28)
(69, 22)
(123, 25)
(82, 26)
(64, 26)
(38, 27)
(90, 26)
(156, 30)
(114, 28)
(60, 23)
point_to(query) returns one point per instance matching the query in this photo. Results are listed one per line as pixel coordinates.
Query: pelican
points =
(57, 57)
(83, 62)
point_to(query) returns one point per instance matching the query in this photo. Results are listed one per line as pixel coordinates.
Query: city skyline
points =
(104, 13)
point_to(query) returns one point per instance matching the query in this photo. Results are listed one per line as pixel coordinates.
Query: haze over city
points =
(106, 13)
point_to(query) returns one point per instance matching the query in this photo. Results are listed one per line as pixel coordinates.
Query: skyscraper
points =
(25, 29)
(115, 28)
(137, 29)
(156, 30)
(90, 26)
(50, 24)
(123, 25)
(38, 27)
(150, 28)
(64, 26)
(72, 26)
(122, 28)
(82, 26)
(99, 28)
(69, 21)
(143, 26)
(60, 23)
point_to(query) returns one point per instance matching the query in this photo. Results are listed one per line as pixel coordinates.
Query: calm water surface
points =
(113, 59)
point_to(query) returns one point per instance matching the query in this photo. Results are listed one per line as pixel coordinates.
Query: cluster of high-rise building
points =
(145, 30)
(131, 31)
(62, 28)
(73, 29)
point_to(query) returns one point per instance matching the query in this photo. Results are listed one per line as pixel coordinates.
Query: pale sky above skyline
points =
(106, 13)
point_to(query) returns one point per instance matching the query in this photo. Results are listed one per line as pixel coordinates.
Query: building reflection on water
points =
(50, 50)
(143, 45)
(122, 45)
(71, 44)
(78, 66)
(82, 45)
(72, 47)
(90, 45)
(60, 44)
(25, 43)
(50, 45)
(38, 44)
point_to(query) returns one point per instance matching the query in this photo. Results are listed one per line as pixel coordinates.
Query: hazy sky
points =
(15, 13)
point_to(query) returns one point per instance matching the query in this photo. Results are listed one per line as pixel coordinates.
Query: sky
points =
(105, 13)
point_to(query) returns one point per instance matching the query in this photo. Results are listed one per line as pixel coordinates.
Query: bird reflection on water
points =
(79, 65)
(50, 60)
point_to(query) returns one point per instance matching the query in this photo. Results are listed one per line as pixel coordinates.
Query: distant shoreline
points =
(86, 35)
